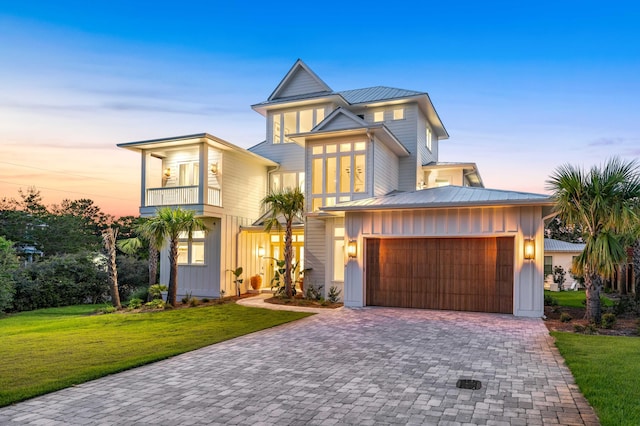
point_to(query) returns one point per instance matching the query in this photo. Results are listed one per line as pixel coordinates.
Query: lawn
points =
(50, 349)
(574, 299)
(607, 370)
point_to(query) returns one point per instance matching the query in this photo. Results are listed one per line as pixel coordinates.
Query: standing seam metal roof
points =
(445, 196)
(377, 93)
(558, 245)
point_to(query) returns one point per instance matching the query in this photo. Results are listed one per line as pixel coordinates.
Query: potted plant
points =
(256, 281)
(158, 291)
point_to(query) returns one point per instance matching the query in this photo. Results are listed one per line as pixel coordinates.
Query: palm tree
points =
(604, 202)
(131, 246)
(167, 225)
(287, 204)
(109, 236)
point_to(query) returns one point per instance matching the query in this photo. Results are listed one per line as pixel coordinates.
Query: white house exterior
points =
(367, 162)
(560, 253)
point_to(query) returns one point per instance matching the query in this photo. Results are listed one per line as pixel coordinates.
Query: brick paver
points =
(352, 366)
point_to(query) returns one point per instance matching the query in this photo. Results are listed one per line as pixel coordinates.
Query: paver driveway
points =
(363, 366)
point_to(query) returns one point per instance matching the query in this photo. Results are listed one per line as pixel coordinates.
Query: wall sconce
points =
(352, 249)
(167, 172)
(529, 249)
(214, 168)
(261, 251)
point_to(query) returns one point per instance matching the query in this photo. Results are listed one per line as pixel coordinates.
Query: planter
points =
(163, 294)
(256, 282)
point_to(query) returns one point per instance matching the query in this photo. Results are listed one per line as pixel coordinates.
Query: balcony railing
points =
(178, 195)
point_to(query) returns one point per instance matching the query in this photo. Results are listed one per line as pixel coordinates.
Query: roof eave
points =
(507, 203)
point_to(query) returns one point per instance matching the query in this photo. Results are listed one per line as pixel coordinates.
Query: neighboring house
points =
(385, 222)
(560, 253)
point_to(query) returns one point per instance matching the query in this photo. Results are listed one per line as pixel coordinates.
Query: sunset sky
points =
(521, 87)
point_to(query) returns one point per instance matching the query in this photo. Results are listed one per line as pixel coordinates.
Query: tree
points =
(167, 225)
(287, 204)
(558, 230)
(109, 236)
(604, 202)
(137, 240)
(8, 264)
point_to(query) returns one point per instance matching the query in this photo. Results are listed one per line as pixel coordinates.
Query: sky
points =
(522, 87)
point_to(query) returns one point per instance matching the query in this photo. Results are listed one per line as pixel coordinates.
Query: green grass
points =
(606, 369)
(50, 349)
(574, 299)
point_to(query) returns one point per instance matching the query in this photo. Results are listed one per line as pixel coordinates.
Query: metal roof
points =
(442, 197)
(377, 93)
(557, 245)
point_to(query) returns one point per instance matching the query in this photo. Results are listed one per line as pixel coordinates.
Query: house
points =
(560, 253)
(385, 221)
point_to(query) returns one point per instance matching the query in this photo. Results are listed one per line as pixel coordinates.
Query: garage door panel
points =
(471, 274)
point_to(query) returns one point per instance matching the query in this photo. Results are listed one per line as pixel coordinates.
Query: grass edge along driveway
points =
(607, 370)
(51, 349)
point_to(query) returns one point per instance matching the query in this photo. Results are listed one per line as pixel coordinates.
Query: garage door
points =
(461, 274)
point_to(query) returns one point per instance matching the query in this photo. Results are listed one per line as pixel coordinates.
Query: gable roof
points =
(444, 197)
(562, 246)
(340, 118)
(300, 80)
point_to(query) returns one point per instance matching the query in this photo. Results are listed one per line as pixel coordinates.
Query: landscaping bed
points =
(298, 300)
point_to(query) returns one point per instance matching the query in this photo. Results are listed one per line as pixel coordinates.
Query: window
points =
(191, 253)
(294, 122)
(548, 265)
(398, 114)
(378, 116)
(428, 138)
(188, 174)
(442, 182)
(337, 173)
(282, 181)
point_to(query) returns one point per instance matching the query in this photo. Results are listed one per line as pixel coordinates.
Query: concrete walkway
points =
(354, 366)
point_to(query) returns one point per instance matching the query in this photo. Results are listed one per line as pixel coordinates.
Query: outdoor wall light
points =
(261, 251)
(167, 172)
(214, 168)
(529, 249)
(352, 249)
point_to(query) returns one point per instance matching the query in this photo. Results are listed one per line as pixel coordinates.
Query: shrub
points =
(135, 303)
(314, 292)
(60, 281)
(155, 304)
(550, 300)
(194, 301)
(133, 274)
(8, 265)
(565, 317)
(155, 291)
(578, 328)
(107, 310)
(187, 298)
(608, 320)
(334, 294)
(205, 300)
(141, 293)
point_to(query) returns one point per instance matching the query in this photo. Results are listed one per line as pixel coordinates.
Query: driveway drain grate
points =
(468, 384)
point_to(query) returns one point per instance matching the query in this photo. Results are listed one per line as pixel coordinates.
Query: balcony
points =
(181, 195)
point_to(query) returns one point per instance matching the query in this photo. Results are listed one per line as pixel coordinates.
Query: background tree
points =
(604, 203)
(109, 236)
(8, 265)
(167, 225)
(288, 205)
(558, 230)
(139, 242)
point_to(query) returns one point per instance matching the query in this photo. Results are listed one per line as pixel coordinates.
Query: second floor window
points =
(338, 171)
(428, 138)
(291, 122)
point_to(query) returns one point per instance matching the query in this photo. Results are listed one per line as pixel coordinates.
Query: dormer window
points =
(291, 122)
(398, 114)
(378, 116)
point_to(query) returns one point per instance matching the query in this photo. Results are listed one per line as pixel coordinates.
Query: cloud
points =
(607, 141)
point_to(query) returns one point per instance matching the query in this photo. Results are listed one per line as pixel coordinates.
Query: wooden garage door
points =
(461, 274)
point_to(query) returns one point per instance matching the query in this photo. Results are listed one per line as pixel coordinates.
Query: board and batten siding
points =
(519, 222)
